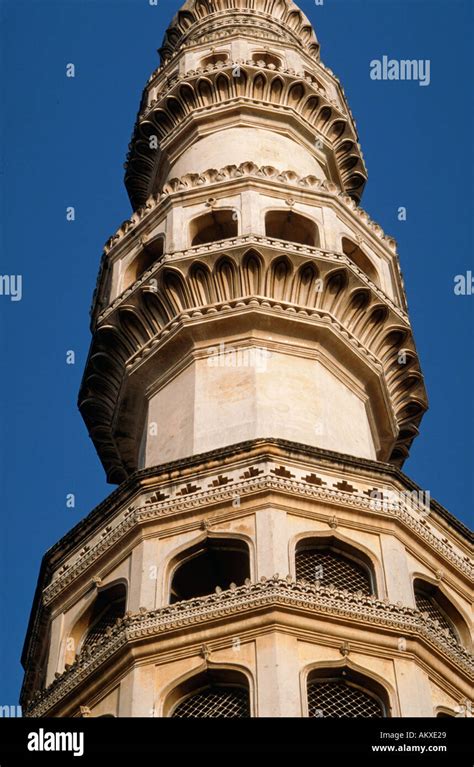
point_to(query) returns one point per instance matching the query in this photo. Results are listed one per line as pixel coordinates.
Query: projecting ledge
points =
(275, 597)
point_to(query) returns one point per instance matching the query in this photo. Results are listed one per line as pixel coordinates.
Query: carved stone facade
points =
(253, 387)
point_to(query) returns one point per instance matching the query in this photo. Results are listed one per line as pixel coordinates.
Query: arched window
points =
(215, 58)
(215, 694)
(210, 227)
(266, 59)
(213, 562)
(150, 253)
(429, 599)
(109, 605)
(359, 258)
(341, 693)
(327, 562)
(291, 226)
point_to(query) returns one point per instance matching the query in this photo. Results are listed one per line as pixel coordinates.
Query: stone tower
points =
(253, 388)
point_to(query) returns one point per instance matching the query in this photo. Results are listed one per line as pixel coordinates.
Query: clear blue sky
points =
(64, 141)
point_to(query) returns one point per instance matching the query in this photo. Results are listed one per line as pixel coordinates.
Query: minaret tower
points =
(253, 387)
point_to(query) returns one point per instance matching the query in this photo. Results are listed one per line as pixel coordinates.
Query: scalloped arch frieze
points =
(202, 287)
(197, 94)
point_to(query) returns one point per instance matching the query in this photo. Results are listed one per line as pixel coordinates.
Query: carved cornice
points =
(248, 25)
(287, 76)
(112, 510)
(269, 173)
(130, 230)
(242, 27)
(363, 320)
(233, 248)
(201, 17)
(274, 593)
(195, 94)
(254, 451)
(173, 498)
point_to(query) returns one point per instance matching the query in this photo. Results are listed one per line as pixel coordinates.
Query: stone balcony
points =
(270, 600)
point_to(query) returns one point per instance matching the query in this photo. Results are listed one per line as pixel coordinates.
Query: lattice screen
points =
(216, 702)
(427, 603)
(339, 699)
(108, 618)
(331, 567)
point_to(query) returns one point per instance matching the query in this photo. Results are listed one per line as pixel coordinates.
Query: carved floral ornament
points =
(271, 593)
(278, 93)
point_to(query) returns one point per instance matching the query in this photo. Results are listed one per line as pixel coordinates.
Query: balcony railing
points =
(313, 599)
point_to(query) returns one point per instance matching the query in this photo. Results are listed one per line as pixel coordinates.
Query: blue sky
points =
(64, 141)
